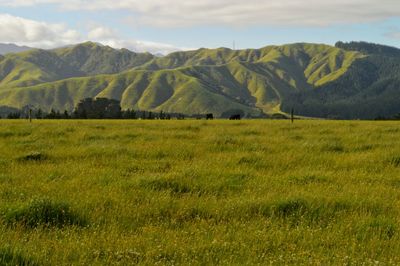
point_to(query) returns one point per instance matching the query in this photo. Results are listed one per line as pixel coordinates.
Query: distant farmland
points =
(199, 192)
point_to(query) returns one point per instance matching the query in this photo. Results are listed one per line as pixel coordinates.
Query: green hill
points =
(33, 67)
(40, 66)
(369, 89)
(317, 80)
(7, 48)
(92, 58)
(167, 90)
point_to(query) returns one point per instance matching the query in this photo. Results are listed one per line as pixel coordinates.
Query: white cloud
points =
(35, 33)
(142, 46)
(101, 33)
(108, 36)
(179, 13)
(46, 35)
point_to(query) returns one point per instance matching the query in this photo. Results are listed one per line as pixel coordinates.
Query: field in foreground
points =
(199, 192)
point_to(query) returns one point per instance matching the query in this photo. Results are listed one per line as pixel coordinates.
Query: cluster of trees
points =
(103, 108)
(99, 108)
(369, 48)
(383, 118)
(38, 114)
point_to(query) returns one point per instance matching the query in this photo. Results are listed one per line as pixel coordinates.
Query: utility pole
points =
(234, 45)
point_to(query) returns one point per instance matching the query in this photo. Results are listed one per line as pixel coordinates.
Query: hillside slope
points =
(6, 48)
(92, 58)
(369, 89)
(354, 80)
(196, 81)
(87, 59)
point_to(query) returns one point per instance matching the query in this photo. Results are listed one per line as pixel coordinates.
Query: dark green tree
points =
(66, 115)
(98, 108)
(39, 113)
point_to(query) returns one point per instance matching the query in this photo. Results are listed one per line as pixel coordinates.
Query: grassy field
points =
(199, 192)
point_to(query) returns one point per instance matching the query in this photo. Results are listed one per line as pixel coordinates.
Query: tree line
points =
(104, 108)
(89, 108)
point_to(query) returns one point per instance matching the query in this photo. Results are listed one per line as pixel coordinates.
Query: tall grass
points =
(199, 192)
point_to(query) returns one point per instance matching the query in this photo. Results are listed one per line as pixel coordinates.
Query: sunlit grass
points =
(199, 192)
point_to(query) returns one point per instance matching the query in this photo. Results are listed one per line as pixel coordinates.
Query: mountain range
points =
(6, 48)
(354, 80)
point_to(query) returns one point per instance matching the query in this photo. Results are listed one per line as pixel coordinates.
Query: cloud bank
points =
(188, 13)
(34, 33)
(178, 13)
(109, 37)
(45, 35)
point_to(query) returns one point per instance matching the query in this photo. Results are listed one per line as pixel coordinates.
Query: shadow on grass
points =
(321, 213)
(334, 147)
(308, 179)
(179, 186)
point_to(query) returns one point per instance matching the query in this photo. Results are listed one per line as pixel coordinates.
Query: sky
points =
(164, 26)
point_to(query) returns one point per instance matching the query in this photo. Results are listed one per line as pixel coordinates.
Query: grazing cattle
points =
(235, 117)
(209, 116)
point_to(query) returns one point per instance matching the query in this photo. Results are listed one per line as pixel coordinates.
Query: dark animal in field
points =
(235, 117)
(209, 116)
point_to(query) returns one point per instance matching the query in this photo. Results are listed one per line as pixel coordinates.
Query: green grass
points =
(10, 257)
(199, 192)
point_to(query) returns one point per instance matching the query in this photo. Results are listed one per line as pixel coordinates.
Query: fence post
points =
(292, 115)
